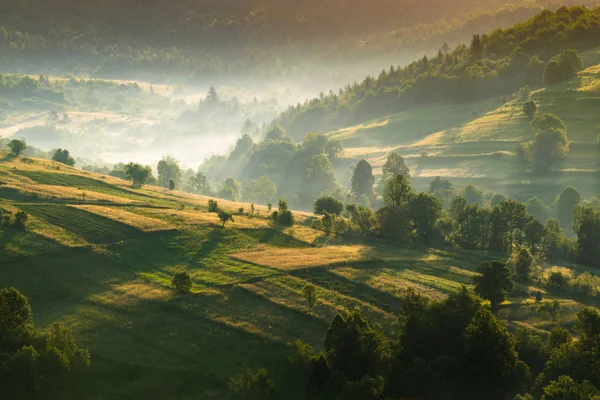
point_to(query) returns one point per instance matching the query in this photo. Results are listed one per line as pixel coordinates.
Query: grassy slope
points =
(102, 264)
(475, 143)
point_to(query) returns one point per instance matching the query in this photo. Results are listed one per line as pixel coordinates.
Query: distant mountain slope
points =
(492, 64)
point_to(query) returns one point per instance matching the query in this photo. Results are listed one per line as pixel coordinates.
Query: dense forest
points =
(254, 39)
(492, 64)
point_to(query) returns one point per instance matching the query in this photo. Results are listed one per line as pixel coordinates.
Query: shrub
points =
(286, 218)
(213, 206)
(182, 283)
(328, 204)
(529, 108)
(559, 279)
(225, 216)
(20, 220)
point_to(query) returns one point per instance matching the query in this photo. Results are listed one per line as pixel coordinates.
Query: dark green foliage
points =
(565, 207)
(489, 368)
(168, 170)
(439, 184)
(329, 204)
(529, 108)
(250, 385)
(63, 156)
(566, 389)
(182, 282)
(523, 264)
(562, 67)
(213, 206)
(309, 292)
(424, 211)
(283, 216)
(225, 216)
(17, 146)
(539, 297)
(493, 283)
(394, 166)
(354, 348)
(551, 309)
(587, 229)
(20, 220)
(138, 173)
(397, 191)
(231, 189)
(558, 279)
(550, 141)
(171, 184)
(46, 367)
(362, 180)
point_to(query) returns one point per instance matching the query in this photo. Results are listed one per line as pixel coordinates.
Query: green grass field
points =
(102, 275)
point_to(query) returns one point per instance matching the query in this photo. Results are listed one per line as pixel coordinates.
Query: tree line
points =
(542, 50)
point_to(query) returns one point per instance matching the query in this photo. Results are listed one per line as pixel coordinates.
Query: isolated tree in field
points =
(230, 189)
(17, 146)
(523, 264)
(550, 141)
(565, 206)
(529, 108)
(493, 283)
(283, 215)
(138, 173)
(171, 184)
(397, 191)
(309, 292)
(212, 96)
(394, 165)
(260, 190)
(168, 169)
(225, 216)
(182, 282)
(551, 309)
(20, 220)
(213, 206)
(362, 180)
(63, 156)
(329, 204)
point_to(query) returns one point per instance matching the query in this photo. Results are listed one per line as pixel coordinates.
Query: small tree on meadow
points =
(213, 206)
(309, 292)
(225, 216)
(529, 108)
(182, 282)
(63, 156)
(523, 264)
(551, 309)
(17, 146)
(20, 220)
(171, 184)
(329, 204)
(138, 173)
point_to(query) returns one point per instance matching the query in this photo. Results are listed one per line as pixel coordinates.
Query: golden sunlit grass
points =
(138, 221)
(352, 130)
(289, 259)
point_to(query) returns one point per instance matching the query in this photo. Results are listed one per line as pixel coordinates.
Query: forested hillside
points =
(207, 40)
(492, 64)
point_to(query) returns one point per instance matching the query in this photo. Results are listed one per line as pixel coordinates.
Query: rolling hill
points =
(98, 256)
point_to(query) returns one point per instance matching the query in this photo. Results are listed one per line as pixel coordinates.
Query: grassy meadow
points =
(99, 256)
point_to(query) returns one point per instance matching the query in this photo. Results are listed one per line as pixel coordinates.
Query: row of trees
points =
(451, 348)
(418, 219)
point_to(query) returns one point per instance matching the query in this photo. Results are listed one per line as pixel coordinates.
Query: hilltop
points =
(98, 256)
